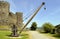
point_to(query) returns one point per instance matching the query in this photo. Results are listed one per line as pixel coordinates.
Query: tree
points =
(57, 28)
(47, 27)
(33, 26)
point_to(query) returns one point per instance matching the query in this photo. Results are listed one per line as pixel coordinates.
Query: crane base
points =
(14, 35)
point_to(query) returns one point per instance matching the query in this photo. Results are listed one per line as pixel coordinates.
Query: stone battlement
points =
(4, 4)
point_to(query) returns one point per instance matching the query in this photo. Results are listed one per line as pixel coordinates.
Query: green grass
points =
(4, 27)
(51, 35)
(4, 35)
(56, 36)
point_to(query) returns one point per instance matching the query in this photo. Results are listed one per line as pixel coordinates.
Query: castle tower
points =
(4, 10)
(19, 19)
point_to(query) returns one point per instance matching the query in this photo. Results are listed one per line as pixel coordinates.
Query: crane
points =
(43, 3)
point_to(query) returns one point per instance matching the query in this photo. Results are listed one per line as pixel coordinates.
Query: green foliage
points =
(57, 28)
(47, 27)
(33, 26)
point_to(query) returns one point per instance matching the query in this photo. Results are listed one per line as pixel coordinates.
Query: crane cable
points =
(26, 17)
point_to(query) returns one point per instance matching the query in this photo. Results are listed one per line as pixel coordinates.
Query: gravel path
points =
(36, 35)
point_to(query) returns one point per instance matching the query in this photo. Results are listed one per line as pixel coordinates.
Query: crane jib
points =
(32, 16)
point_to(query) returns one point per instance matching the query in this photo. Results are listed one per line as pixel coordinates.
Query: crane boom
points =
(32, 16)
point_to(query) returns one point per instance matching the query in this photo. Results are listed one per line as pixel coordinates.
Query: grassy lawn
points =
(51, 35)
(4, 35)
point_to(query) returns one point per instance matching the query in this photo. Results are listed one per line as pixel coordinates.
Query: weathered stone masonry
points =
(7, 17)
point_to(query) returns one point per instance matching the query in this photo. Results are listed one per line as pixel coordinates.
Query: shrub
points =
(47, 27)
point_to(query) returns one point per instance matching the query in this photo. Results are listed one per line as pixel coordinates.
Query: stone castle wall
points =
(4, 10)
(19, 18)
(7, 17)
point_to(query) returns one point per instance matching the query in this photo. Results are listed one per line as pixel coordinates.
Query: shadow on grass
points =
(56, 35)
(18, 36)
(9, 35)
(43, 32)
(13, 36)
(23, 34)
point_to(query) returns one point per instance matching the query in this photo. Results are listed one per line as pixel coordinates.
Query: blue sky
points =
(51, 14)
